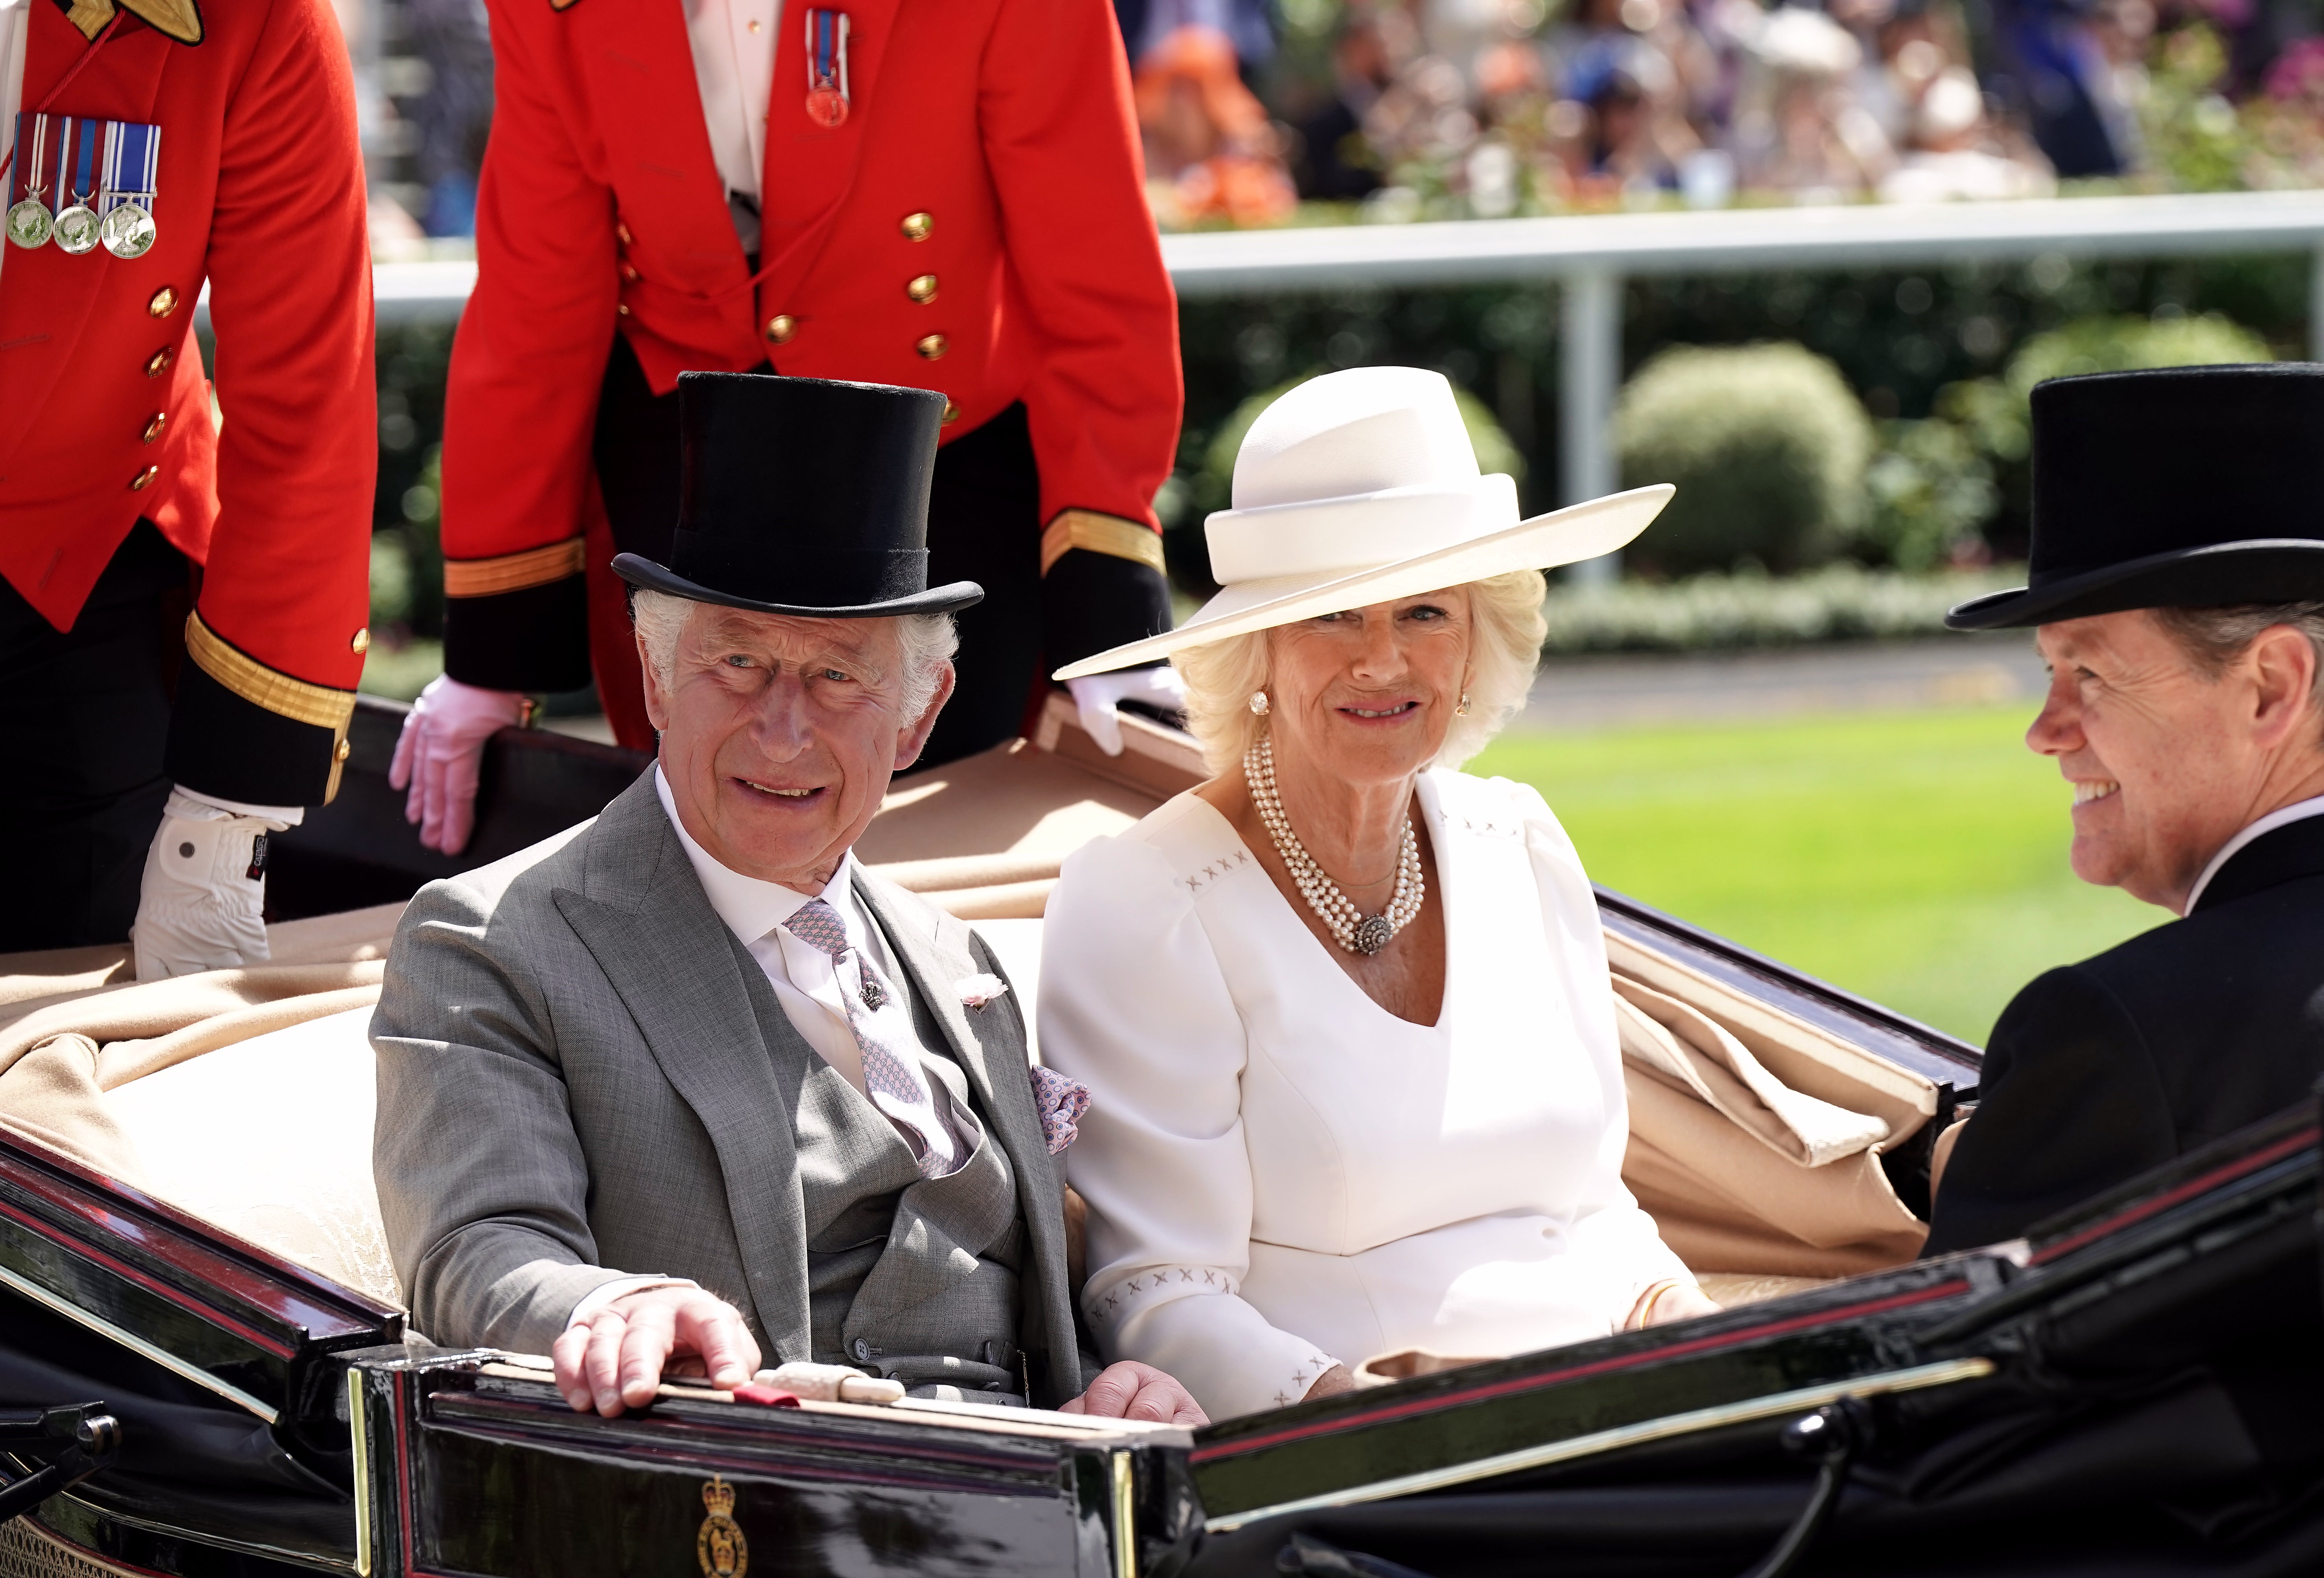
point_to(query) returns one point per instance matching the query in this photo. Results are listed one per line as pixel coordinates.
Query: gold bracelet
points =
(1654, 1296)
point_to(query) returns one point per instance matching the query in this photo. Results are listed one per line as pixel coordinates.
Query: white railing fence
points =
(1588, 256)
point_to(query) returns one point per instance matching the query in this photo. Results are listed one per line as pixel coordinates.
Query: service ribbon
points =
(826, 39)
(76, 159)
(133, 159)
(19, 179)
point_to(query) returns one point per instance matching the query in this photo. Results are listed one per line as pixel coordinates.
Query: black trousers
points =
(984, 525)
(84, 722)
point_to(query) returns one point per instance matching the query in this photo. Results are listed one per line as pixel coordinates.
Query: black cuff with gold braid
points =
(1101, 585)
(518, 621)
(241, 731)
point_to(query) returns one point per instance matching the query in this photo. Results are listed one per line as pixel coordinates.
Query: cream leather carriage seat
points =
(269, 1136)
(270, 1140)
(246, 1097)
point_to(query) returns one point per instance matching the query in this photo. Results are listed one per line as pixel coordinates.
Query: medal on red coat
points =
(77, 224)
(826, 67)
(133, 159)
(30, 223)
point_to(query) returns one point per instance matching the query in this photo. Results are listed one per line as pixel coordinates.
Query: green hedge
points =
(1766, 445)
(1714, 611)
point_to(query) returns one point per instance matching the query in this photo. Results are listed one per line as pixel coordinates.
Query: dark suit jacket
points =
(2099, 1071)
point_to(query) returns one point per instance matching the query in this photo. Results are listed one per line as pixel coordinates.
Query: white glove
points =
(440, 753)
(205, 890)
(1097, 695)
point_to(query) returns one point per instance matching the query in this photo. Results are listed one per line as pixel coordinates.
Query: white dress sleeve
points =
(1608, 1231)
(1134, 1005)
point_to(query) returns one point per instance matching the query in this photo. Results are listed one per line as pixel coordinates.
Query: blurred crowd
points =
(1490, 107)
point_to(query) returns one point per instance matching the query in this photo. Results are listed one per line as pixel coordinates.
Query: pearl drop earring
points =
(1259, 703)
(1462, 711)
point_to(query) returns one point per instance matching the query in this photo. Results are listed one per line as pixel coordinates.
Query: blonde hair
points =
(1504, 651)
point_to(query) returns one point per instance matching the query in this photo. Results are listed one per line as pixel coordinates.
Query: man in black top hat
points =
(2178, 595)
(688, 1085)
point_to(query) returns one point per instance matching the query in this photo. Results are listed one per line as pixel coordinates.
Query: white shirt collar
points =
(750, 905)
(15, 39)
(2299, 810)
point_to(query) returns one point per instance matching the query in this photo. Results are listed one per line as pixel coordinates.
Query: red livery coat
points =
(105, 415)
(990, 153)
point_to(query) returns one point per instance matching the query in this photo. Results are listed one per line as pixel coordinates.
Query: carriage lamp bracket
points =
(1834, 1436)
(70, 1441)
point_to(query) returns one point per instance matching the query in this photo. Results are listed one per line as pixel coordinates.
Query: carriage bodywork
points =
(2102, 1385)
(2082, 1390)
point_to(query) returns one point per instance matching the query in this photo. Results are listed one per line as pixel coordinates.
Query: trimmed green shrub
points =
(1992, 417)
(1929, 493)
(1713, 612)
(1766, 445)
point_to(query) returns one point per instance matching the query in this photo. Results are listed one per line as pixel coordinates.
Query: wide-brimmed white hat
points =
(1361, 487)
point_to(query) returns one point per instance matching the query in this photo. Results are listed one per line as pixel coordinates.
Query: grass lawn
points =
(1917, 858)
(399, 672)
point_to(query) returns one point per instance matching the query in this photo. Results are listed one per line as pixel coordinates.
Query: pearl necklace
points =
(1357, 932)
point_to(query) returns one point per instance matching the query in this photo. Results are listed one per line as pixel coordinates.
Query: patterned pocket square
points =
(1061, 1101)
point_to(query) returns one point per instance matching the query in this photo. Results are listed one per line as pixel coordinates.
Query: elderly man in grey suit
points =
(686, 1087)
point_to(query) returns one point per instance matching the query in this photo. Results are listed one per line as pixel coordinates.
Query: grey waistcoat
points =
(907, 1277)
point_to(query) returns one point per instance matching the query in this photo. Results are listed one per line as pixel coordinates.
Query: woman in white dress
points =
(1344, 1011)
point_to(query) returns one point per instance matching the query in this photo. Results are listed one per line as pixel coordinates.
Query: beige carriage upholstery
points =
(245, 1096)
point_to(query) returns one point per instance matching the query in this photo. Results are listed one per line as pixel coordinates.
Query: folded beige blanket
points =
(1745, 1171)
(1754, 1138)
(62, 1044)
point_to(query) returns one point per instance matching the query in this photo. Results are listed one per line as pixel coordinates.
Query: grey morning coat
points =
(584, 1076)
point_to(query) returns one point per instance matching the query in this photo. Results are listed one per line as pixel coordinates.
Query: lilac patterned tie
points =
(890, 1077)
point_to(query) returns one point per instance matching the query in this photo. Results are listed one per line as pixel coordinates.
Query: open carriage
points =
(204, 1368)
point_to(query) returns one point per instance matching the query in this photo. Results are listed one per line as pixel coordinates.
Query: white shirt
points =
(2298, 811)
(734, 68)
(15, 30)
(1281, 1174)
(806, 984)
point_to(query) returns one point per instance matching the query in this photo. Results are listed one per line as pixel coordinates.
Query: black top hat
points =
(2182, 487)
(803, 496)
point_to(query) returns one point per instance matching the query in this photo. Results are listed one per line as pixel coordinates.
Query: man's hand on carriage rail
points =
(440, 753)
(1098, 694)
(614, 1358)
(201, 905)
(1130, 1390)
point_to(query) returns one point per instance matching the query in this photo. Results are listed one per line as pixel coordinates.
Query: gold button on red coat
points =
(951, 413)
(164, 302)
(933, 345)
(158, 362)
(144, 479)
(629, 273)
(153, 428)
(917, 227)
(922, 289)
(622, 307)
(622, 231)
(781, 328)
(362, 642)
